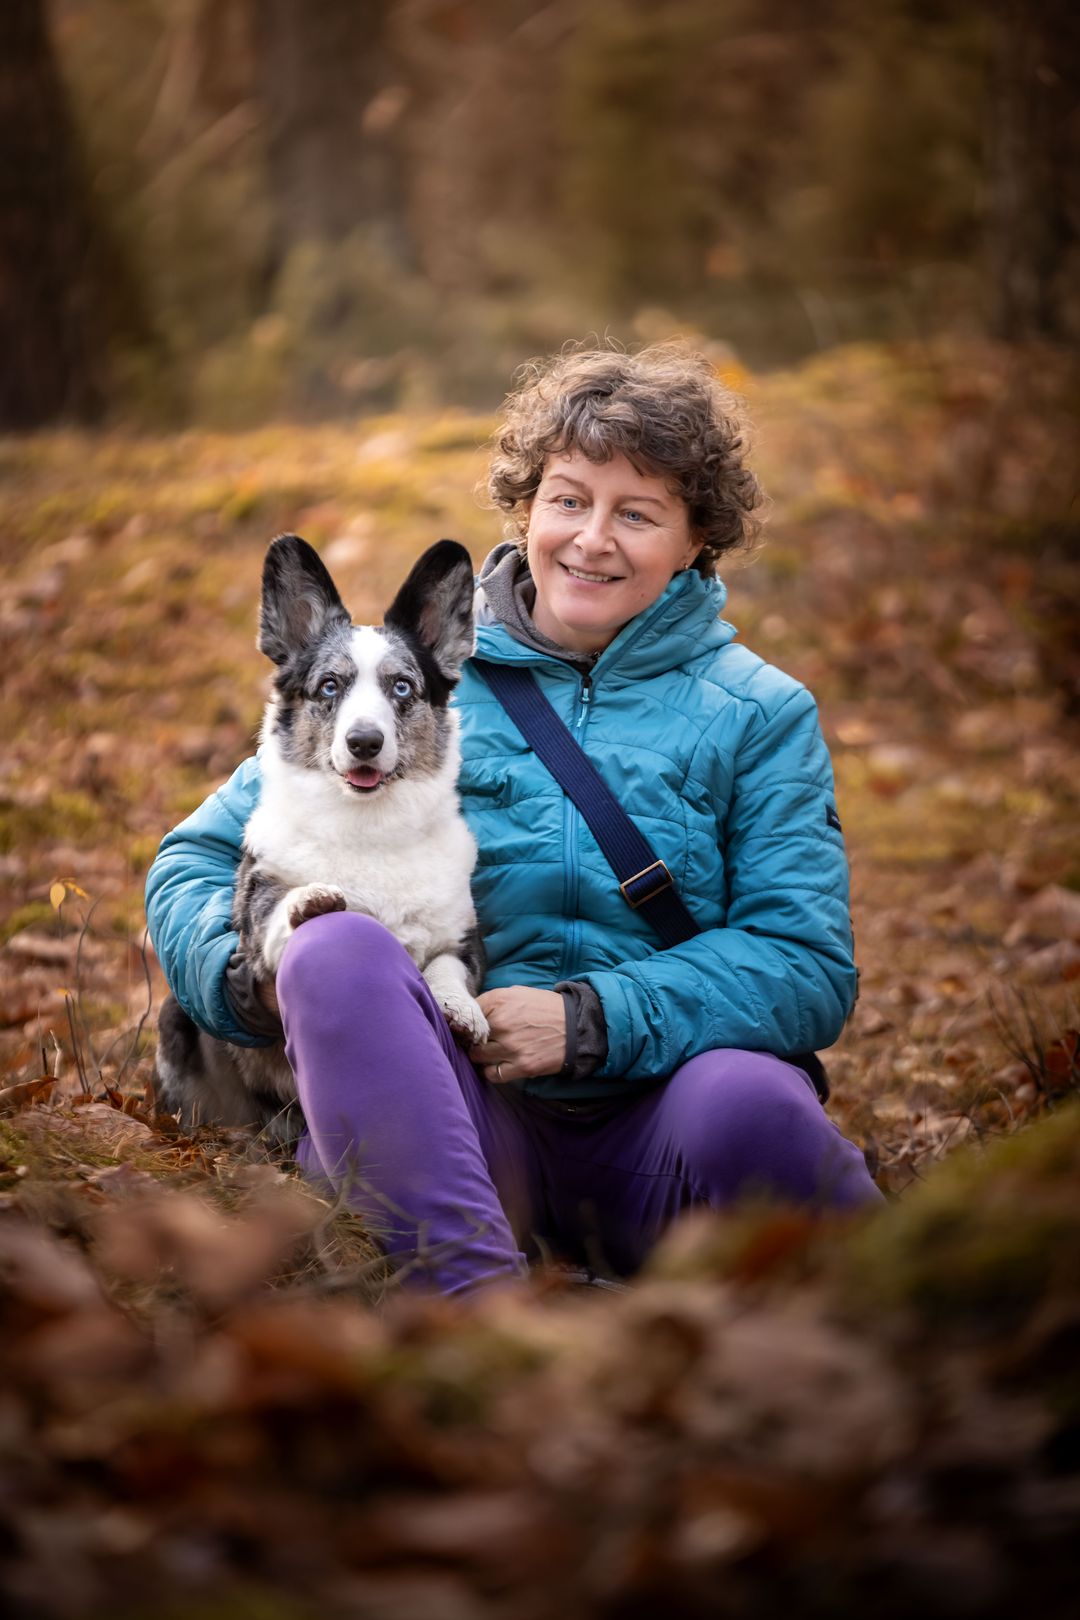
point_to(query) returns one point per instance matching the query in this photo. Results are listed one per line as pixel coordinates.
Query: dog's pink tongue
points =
(364, 776)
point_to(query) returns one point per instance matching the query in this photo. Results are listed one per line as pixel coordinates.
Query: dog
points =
(358, 811)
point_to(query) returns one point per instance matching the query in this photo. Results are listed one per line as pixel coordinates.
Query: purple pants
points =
(463, 1181)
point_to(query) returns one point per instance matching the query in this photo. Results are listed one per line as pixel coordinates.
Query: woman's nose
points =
(596, 531)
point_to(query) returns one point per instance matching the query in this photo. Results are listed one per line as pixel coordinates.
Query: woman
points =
(622, 1082)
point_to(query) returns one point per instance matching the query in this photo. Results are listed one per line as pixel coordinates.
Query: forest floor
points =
(190, 1334)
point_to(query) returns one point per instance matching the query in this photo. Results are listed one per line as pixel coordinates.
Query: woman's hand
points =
(528, 1033)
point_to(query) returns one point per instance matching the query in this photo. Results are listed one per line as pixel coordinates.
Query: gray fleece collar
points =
(506, 595)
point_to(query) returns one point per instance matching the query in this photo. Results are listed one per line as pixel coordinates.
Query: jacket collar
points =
(682, 623)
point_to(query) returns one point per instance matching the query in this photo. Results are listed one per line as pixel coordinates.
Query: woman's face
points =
(603, 542)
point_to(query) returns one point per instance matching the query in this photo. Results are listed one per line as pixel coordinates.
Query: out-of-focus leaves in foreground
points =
(889, 1407)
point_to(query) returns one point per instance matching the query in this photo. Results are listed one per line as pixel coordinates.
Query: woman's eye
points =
(634, 516)
(402, 688)
(569, 503)
(328, 688)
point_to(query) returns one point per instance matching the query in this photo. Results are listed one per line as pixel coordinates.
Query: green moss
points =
(188, 799)
(241, 505)
(36, 914)
(126, 915)
(110, 508)
(782, 562)
(141, 852)
(55, 514)
(70, 816)
(457, 1383)
(984, 1238)
(12, 1150)
(47, 1156)
(456, 433)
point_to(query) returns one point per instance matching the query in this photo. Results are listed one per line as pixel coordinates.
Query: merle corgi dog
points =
(358, 811)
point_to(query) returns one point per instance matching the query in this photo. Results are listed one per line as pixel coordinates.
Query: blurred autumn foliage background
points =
(269, 265)
(219, 210)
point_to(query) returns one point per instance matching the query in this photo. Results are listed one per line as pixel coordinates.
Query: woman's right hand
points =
(527, 1035)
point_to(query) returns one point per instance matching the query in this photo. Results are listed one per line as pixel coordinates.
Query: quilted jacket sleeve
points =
(780, 976)
(189, 896)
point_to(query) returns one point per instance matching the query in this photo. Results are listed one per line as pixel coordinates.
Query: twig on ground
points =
(76, 1048)
(134, 1047)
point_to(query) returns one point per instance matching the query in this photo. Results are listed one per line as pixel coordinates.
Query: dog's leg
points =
(448, 981)
(474, 958)
(298, 906)
(209, 1082)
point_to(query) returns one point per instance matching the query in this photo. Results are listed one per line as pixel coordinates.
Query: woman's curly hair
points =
(662, 408)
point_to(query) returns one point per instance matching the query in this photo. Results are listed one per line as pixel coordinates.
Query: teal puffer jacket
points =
(720, 760)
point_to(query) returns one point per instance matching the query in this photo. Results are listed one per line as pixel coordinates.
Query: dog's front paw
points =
(295, 908)
(463, 1014)
(312, 900)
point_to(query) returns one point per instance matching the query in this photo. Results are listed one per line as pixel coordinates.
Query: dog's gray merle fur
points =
(358, 811)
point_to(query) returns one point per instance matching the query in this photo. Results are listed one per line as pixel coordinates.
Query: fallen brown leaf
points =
(26, 1094)
(42, 1276)
(1052, 963)
(1062, 1061)
(1052, 913)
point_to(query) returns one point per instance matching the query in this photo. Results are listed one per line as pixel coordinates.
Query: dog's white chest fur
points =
(402, 855)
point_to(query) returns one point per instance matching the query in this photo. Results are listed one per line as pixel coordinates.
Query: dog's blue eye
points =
(402, 688)
(328, 688)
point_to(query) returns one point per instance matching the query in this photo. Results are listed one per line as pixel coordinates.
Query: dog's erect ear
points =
(435, 605)
(299, 599)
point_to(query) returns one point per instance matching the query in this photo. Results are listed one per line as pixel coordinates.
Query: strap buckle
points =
(663, 880)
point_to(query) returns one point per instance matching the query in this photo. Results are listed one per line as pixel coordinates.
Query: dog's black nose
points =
(364, 742)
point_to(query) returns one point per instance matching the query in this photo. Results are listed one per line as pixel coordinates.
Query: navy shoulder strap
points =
(644, 881)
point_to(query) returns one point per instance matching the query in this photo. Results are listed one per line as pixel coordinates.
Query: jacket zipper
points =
(586, 696)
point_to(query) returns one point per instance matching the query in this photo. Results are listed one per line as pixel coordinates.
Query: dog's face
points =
(367, 705)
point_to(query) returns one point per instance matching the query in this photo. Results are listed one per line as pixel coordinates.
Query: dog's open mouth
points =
(364, 779)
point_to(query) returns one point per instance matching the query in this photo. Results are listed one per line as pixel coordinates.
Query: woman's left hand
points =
(528, 1033)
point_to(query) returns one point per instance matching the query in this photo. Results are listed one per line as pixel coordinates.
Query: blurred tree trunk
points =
(332, 96)
(1034, 150)
(483, 135)
(50, 332)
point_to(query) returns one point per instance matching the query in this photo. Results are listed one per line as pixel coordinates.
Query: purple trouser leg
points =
(395, 1111)
(726, 1125)
(447, 1168)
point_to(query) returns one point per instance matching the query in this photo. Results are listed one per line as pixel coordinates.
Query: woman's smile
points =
(589, 579)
